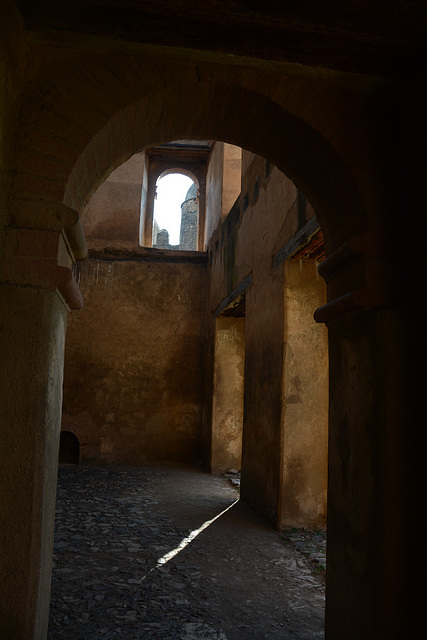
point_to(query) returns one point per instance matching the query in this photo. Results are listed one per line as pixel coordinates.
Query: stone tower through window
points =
(175, 215)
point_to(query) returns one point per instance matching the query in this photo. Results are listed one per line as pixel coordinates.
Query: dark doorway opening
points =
(69, 448)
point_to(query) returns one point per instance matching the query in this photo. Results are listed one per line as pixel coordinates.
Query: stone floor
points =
(170, 553)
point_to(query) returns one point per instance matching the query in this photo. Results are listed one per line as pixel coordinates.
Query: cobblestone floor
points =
(142, 553)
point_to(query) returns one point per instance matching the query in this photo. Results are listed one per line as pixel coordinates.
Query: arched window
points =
(175, 219)
(168, 165)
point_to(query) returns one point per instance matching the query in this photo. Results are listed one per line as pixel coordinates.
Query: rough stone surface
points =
(285, 351)
(113, 578)
(133, 377)
(228, 394)
(112, 215)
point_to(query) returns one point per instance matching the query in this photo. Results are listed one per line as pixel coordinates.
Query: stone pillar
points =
(284, 460)
(305, 400)
(366, 571)
(262, 421)
(37, 289)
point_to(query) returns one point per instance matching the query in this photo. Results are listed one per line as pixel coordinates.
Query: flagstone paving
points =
(142, 553)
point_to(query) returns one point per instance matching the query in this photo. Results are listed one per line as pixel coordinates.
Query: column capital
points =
(40, 258)
(51, 216)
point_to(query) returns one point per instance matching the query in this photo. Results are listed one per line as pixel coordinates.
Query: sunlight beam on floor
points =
(193, 534)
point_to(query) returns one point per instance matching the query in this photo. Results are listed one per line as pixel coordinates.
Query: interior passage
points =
(170, 552)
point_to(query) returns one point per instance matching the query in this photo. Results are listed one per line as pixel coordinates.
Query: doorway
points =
(228, 388)
(69, 448)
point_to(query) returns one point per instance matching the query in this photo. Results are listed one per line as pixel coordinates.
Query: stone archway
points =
(82, 123)
(306, 152)
(78, 444)
(104, 108)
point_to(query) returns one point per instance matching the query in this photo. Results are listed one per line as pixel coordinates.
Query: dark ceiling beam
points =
(346, 35)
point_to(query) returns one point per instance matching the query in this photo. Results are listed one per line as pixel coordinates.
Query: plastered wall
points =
(134, 361)
(133, 385)
(305, 399)
(278, 354)
(223, 183)
(214, 189)
(112, 215)
(228, 390)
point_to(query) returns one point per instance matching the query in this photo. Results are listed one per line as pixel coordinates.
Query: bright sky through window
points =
(171, 192)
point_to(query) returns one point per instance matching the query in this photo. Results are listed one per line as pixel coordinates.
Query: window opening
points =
(176, 209)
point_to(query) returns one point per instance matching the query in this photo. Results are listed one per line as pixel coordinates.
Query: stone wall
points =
(228, 389)
(223, 182)
(133, 386)
(305, 399)
(276, 477)
(112, 216)
(214, 189)
(232, 177)
(134, 360)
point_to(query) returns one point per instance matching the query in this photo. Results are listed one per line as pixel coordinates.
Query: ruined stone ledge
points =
(149, 255)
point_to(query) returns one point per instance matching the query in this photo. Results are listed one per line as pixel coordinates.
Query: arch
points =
(81, 125)
(278, 119)
(299, 151)
(77, 431)
(183, 172)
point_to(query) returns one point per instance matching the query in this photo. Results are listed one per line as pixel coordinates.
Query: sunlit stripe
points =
(193, 534)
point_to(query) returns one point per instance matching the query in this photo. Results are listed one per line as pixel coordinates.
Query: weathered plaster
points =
(305, 400)
(228, 388)
(134, 360)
